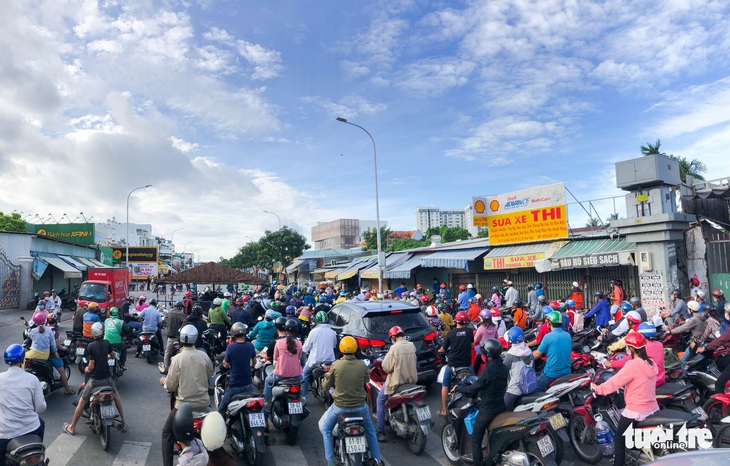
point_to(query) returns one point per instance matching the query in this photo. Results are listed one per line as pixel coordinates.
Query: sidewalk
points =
(12, 316)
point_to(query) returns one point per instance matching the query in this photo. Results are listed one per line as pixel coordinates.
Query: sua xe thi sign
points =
(536, 214)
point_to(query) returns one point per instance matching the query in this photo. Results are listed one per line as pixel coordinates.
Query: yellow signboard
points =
(536, 214)
(512, 262)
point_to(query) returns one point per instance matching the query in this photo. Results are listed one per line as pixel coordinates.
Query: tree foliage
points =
(282, 245)
(246, 257)
(593, 222)
(694, 168)
(371, 238)
(448, 234)
(11, 222)
(483, 234)
(401, 244)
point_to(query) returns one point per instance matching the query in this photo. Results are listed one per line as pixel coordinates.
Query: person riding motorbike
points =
(635, 302)
(639, 379)
(195, 319)
(632, 320)
(286, 360)
(496, 297)
(518, 352)
(722, 363)
(175, 320)
(623, 326)
(291, 315)
(240, 357)
(576, 294)
(473, 310)
(400, 364)
(21, 401)
(457, 347)
(679, 309)
(320, 347)
(602, 310)
(654, 349)
(188, 303)
(557, 346)
(41, 309)
(543, 326)
(99, 375)
(113, 330)
(183, 427)
(141, 303)
(189, 385)
(446, 318)
(695, 326)
(150, 318)
(519, 314)
(128, 315)
(264, 332)
(348, 376)
(218, 319)
(43, 346)
(491, 386)
(90, 317)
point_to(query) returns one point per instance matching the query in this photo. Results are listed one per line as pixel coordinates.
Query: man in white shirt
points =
(56, 300)
(320, 346)
(511, 295)
(21, 400)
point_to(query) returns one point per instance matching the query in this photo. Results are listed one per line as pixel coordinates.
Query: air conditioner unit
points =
(645, 261)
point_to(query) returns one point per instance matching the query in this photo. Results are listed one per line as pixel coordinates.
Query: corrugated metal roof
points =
(78, 264)
(392, 260)
(455, 259)
(69, 271)
(594, 246)
(403, 270)
(357, 265)
(519, 249)
(334, 272)
(295, 265)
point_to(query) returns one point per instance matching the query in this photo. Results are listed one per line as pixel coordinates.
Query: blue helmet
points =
(570, 303)
(14, 354)
(322, 299)
(647, 329)
(626, 307)
(270, 315)
(538, 286)
(494, 288)
(515, 335)
(290, 310)
(547, 310)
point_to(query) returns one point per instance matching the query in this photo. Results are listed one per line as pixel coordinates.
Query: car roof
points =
(385, 306)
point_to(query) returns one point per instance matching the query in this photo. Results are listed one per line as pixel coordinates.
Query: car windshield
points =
(93, 292)
(381, 323)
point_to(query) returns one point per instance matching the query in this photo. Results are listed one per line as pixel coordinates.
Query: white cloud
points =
(348, 107)
(182, 145)
(436, 75)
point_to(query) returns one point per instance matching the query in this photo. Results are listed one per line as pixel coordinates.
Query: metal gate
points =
(9, 283)
(718, 261)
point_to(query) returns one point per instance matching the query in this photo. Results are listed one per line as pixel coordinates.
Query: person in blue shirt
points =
(556, 345)
(463, 299)
(602, 310)
(240, 357)
(436, 286)
(264, 332)
(538, 289)
(400, 290)
(308, 299)
(150, 318)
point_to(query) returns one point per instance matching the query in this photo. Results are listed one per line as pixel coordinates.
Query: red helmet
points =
(418, 285)
(695, 281)
(395, 331)
(495, 312)
(555, 305)
(633, 317)
(635, 340)
(717, 293)
(443, 285)
(239, 300)
(462, 317)
(246, 298)
(462, 288)
(188, 294)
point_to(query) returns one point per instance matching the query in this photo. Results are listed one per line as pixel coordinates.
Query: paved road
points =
(147, 405)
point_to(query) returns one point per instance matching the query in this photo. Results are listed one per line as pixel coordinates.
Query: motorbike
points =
(350, 446)
(33, 302)
(68, 301)
(717, 408)
(287, 411)
(149, 346)
(316, 382)
(514, 438)
(27, 450)
(260, 371)
(101, 413)
(406, 414)
(76, 344)
(48, 376)
(722, 437)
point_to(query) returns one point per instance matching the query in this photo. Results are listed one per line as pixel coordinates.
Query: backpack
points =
(528, 379)
(578, 322)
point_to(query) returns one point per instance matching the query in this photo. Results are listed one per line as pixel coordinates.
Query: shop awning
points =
(392, 260)
(293, 267)
(519, 255)
(455, 259)
(403, 270)
(74, 262)
(69, 271)
(357, 265)
(604, 252)
(331, 274)
(87, 262)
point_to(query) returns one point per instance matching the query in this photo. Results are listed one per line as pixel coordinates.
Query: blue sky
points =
(228, 108)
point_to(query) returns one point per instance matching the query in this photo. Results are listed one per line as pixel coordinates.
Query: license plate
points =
(557, 421)
(80, 351)
(701, 412)
(545, 445)
(146, 347)
(108, 411)
(111, 362)
(355, 444)
(424, 414)
(66, 342)
(256, 420)
(295, 408)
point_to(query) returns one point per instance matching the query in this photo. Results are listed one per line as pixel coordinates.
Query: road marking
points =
(132, 453)
(63, 448)
(286, 454)
(435, 450)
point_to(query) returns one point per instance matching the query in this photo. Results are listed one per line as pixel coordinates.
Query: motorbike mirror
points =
(22, 318)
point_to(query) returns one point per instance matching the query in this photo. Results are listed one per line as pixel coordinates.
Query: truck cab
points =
(108, 287)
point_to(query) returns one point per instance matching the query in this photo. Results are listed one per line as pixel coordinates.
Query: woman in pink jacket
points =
(639, 378)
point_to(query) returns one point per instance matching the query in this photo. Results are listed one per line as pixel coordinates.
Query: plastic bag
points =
(469, 420)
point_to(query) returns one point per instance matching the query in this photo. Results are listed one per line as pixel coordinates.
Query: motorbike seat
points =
(345, 418)
(147, 333)
(531, 398)
(508, 418)
(289, 381)
(41, 362)
(24, 442)
(407, 389)
(566, 378)
(666, 417)
(673, 365)
(245, 396)
(105, 388)
(673, 389)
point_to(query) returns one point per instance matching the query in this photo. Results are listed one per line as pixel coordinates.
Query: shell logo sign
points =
(479, 206)
(494, 205)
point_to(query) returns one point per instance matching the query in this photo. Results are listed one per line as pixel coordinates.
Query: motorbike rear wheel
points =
(722, 438)
(148, 356)
(450, 444)
(354, 459)
(291, 435)
(417, 442)
(104, 434)
(253, 456)
(583, 439)
(715, 413)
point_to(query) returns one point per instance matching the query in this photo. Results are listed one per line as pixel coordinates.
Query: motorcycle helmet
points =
(180, 304)
(395, 331)
(442, 286)
(280, 323)
(239, 329)
(348, 345)
(114, 312)
(322, 299)
(472, 300)
(538, 286)
(717, 293)
(431, 311)
(273, 306)
(291, 310)
(182, 423)
(246, 299)
(635, 340)
(142, 298)
(217, 302)
(626, 307)
(693, 306)
(555, 317)
(541, 299)
(517, 303)
(462, 318)
(226, 294)
(291, 326)
(700, 294)
(188, 294)
(462, 288)
(635, 301)
(188, 335)
(599, 294)
(52, 319)
(495, 312)
(546, 310)
(441, 306)
(469, 286)
(153, 302)
(647, 329)
(633, 317)
(14, 354)
(570, 303)
(695, 281)
(554, 305)
(676, 293)
(39, 319)
(197, 310)
(239, 301)
(321, 317)
(530, 287)
(494, 288)
(92, 306)
(97, 330)
(491, 348)
(270, 315)
(515, 335)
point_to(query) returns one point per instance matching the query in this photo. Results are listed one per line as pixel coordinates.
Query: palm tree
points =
(593, 222)
(693, 168)
(611, 217)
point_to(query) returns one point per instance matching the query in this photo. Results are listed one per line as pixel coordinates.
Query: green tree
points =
(694, 168)
(12, 222)
(281, 246)
(247, 256)
(371, 238)
(593, 222)
(402, 244)
(483, 234)
(611, 217)
(448, 234)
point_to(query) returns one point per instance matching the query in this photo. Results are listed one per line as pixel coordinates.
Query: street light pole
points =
(126, 254)
(186, 247)
(277, 216)
(172, 240)
(381, 256)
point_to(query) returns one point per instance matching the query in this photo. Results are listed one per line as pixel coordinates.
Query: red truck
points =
(109, 287)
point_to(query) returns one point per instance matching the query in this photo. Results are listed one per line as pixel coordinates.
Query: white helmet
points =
(693, 306)
(213, 431)
(188, 334)
(97, 330)
(470, 286)
(226, 295)
(700, 294)
(575, 284)
(431, 311)
(217, 302)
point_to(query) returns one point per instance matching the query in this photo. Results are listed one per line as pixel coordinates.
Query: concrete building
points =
(433, 217)
(113, 233)
(343, 233)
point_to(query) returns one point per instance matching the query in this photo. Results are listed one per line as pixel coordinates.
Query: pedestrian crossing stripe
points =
(132, 453)
(63, 448)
